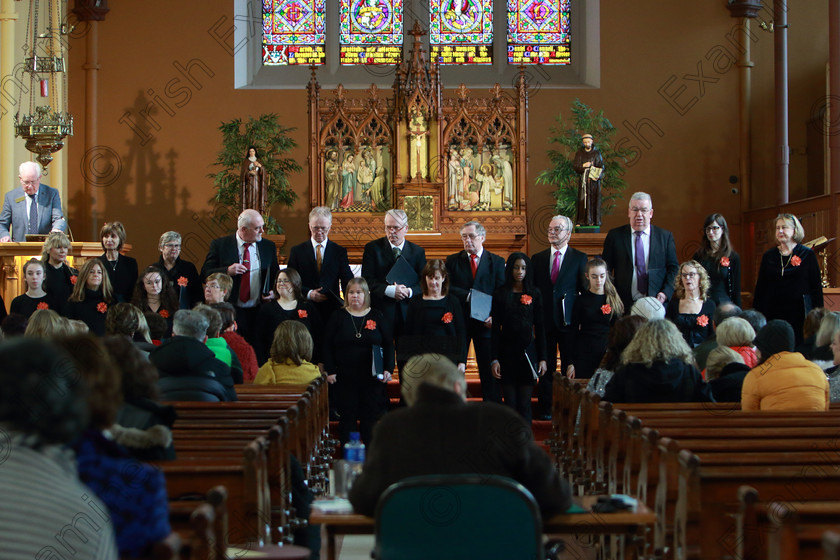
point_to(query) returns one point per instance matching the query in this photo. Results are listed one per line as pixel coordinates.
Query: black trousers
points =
(490, 391)
(559, 342)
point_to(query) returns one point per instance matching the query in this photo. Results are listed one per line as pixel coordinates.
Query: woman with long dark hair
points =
(722, 263)
(91, 297)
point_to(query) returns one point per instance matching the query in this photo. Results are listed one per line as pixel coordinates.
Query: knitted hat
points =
(776, 336)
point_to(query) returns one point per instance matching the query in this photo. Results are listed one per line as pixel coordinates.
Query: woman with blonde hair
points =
(691, 309)
(59, 277)
(725, 373)
(291, 352)
(657, 366)
(789, 283)
(47, 324)
(91, 297)
(822, 354)
(738, 334)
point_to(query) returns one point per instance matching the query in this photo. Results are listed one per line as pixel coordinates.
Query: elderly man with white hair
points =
(31, 208)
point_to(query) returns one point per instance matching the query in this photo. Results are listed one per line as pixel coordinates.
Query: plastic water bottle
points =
(348, 469)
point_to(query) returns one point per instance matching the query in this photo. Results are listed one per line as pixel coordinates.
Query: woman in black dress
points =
(352, 336)
(91, 296)
(289, 305)
(789, 283)
(595, 311)
(59, 277)
(153, 292)
(519, 350)
(690, 308)
(434, 321)
(35, 296)
(182, 274)
(722, 264)
(122, 270)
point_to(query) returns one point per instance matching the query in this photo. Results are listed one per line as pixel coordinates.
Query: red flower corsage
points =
(702, 320)
(370, 325)
(606, 309)
(526, 299)
(724, 261)
(73, 279)
(102, 307)
(302, 314)
(164, 313)
(795, 261)
(182, 281)
(447, 317)
(43, 305)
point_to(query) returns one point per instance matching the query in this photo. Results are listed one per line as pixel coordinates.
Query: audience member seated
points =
(756, 319)
(243, 350)
(784, 379)
(157, 327)
(46, 323)
(822, 355)
(217, 288)
(289, 363)
(134, 493)
(722, 312)
(13, 324)
(725, 372)
(648, 307)
(834, 371)
(621, 333)
(126, 319)
(440, 433)
(91, 297)
(189, 371)
(738, 334)
(809, 332)
(144, 426)
(657, 366)
(219, 345)
(47, 512)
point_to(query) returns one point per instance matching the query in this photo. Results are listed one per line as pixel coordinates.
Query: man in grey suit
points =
(31, 208)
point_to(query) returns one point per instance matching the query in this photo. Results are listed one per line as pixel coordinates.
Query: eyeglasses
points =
(689, 275)
(172, 245)
(279, 281)
(319, 228)
(465, 236)
(212, 286)
(556, 230)
(642, 210)
(394, 228)
(713, 228)
(29, 183)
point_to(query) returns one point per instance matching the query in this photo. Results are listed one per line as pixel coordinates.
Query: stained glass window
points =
(461, 31)
(294, 32)
(538, 32)
(371, 31)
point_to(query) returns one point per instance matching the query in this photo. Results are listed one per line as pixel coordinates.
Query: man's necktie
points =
(555, 267)
(397, 252)
(33, 214)
(641, 267)
(473, 264)
(319, 258)
(245, 278)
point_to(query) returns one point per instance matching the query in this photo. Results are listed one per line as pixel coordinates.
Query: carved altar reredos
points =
(472, 145)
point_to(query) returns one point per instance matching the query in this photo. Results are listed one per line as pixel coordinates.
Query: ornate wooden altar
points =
(445, 160)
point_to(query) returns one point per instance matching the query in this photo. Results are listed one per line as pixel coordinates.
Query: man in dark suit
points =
(379, 257)
(251, 262)
(321, 263)
(31, 208)
(558, 274)
(475, 268)
(641, 257)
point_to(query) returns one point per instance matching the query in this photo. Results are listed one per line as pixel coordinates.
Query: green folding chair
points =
(457, 516)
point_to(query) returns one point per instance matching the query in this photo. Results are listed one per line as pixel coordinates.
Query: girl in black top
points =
(595, 311)
(722, 264)
(153, 292)
(91, 297)
(35, 296)
(519, 350)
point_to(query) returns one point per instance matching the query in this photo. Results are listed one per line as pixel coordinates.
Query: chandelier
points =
(46, 121)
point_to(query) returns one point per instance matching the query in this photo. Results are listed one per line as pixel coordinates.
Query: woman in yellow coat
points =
(291, 351)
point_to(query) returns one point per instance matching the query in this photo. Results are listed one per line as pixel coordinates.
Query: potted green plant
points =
(567, 133)
(272, 141)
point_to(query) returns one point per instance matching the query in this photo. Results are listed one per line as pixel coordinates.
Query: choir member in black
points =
(289, 305)
(519, 350)
(789, 283)
(153, 292)
(691, 309)
(91, 297)
(722, 264)
(182, 274)
(436, 318)
(217, 288)
(59, 278)
(595, 311)
(352, 335)
(35, 296)
(122, 270)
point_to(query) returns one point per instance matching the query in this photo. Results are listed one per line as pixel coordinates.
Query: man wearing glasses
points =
(32, 208)
(251, 262)
(321, 264)
(558, 274)
(641, 257)
(477, 268)
(379, 257)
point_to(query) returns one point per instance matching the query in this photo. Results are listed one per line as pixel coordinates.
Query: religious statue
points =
(417, 133)
(348, 180)
(332, 179)
(378, 192)
(487, 186)
(589, 163)
(504, 176)
(455, 176)
(252, 182)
